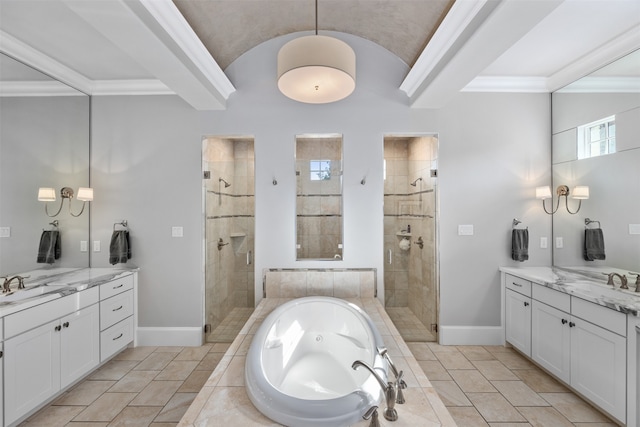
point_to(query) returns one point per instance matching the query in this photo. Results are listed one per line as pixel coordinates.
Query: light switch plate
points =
(634, 228)
(5, 231)
(543, 243)
(96, 246)
(177, 232)
(465, 230)
(84, 246)
(559, 242)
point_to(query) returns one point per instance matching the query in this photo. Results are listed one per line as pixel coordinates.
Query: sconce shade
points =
(46, 194)
(580, 192)
(543, 192)
(316, 69)
(85, 194)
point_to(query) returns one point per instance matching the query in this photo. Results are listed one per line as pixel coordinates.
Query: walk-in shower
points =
(229, 235)
(410, 230)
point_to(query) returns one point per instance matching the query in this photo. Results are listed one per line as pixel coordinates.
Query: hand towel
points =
(49, 249)
(119, 248)
(520, 244)
(593, 244)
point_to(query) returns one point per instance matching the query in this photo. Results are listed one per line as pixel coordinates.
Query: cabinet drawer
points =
(32, 317)
(116, 338)
(116, 287)
(604, 317)
(115, 309)
(552, 297)
(517, 284)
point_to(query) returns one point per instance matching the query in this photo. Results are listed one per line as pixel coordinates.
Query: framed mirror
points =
(596, 123)
(319, 224)
(44, 142)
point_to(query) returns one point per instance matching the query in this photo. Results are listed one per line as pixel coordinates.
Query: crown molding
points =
(598, 84)
(130, 87)
(37, 88)
(507, 84)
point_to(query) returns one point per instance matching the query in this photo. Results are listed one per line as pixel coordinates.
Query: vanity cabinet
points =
(116, 316)
(581, 343)
(43, 360)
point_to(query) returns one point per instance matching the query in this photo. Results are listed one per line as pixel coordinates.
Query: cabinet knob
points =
(57, 328)
(1, 353)
(65, 324)
(571, 324)
(526, 304)
(564, 321)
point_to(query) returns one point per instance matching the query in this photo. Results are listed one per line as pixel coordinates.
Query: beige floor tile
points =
(177, 370)
(84, 393)
(168, 349)
(421, 351)
(494, 370)
(87, 424)
(209, 362)
(513, 360)
(195, 382)
(494, 407)
(595, 425)
(230, 402)
(519, 394)
(539, 381)
(471, 381)
(467, 417)
(220, 347)
(176, 407)
(106, 407)
(509, 425)
(163, 424)
(544, 416)
(157, 361)
(134, 381)
(234, 375)
(475, 352)
(434, 370)
(135, 353)
(451, 360)
(450, 393)
(157, 393)
(53, 416)
(139, 416)
(114, 370)
(574, 408)
(194, 353)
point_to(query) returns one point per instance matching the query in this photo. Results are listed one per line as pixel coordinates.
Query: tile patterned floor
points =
(480, 385)
(409, 326)
(229, 328)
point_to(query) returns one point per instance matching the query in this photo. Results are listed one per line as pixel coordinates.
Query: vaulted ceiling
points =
(183, 46)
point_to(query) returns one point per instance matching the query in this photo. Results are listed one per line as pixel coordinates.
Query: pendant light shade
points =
(316, 69)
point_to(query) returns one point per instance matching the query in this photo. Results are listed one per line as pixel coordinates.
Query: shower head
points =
(226, 184)
(414, 183)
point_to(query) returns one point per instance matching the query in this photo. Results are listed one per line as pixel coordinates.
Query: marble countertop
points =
(588, 283)
(224, 401)
(49, 284)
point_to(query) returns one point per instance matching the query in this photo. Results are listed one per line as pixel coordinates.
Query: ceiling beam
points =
(489, 32)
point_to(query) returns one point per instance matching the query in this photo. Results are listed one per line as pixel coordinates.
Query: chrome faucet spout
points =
(400, 383)
(622, 277)
(389, 389)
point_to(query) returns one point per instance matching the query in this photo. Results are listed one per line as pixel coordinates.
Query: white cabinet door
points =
(598, 366)
(518, 321)
(1, 382)
(80, 344)
(551, 339)
(32, 369)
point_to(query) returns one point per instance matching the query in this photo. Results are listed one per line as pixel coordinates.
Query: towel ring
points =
(122, 223)
(588, 222)
(54, 223)
(515, 223)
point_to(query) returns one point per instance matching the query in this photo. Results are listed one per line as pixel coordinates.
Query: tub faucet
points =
(623, 280)
(389, 389)
(401, 384)
(373, 414)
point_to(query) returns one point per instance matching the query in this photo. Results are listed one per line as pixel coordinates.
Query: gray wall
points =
(494, 151)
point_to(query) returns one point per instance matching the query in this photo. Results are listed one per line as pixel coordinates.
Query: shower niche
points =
(228, 186)
(410, 235)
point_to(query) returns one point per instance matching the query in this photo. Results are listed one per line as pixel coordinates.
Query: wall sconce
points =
(580, 192)
(49, 195)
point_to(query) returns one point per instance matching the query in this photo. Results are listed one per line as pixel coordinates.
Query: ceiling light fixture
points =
(316, 69)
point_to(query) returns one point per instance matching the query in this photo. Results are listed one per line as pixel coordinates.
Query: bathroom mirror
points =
(596, 123)
(319, 197)
(44, 142)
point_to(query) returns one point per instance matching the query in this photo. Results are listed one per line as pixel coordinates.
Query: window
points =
(597, 138)
(320, 170)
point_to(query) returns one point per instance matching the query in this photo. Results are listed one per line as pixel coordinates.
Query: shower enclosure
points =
(410, 235)
(228, 184)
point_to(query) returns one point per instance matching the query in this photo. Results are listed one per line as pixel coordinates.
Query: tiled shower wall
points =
(229, 281)
(339, 283)
(410, 280)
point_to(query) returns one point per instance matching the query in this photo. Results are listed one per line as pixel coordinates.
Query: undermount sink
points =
(590, 289)
(21, 294)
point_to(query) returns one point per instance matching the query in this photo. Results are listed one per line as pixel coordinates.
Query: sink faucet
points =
(389, 389)
(623, 280)
(6, 286)
(637, 280)
(400, 382)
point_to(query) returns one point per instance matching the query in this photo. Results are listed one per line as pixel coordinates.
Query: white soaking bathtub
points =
(298, 369)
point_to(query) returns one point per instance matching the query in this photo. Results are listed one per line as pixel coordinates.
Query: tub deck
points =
(224, 401)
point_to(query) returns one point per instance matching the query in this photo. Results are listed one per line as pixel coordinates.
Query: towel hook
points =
(515, 223)
(54, 223)
(122, 223)
(588, 222)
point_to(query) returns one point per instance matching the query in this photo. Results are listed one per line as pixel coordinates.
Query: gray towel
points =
(119, 248)
(519, 244)
(593, 244)
(49, 249)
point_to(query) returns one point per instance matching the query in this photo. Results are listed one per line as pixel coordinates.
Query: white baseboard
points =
(181, 337)
(471, 335)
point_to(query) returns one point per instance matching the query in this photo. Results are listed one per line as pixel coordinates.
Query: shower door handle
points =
(390, 256)
(249, 260)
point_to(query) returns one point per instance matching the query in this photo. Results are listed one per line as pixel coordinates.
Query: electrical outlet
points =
(465, 230)
(96, 246)
(559, 243)
(544, 243)
(5, 231)
(177, 232)
(84, 246)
